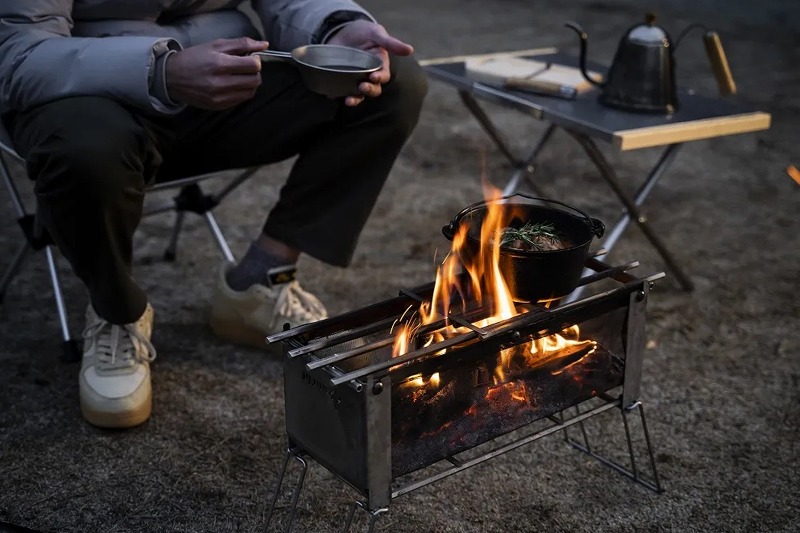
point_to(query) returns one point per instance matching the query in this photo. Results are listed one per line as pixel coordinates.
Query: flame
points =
(419, 381)
(488, 288)
(401, 340)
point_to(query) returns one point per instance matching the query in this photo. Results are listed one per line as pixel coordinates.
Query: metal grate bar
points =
(341, 337)
(339, 357)
(353, 319)
(613, 273)
(528, 320)
(405, 358)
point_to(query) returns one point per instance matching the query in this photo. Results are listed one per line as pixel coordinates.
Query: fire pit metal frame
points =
(367, 383)
(558, 424)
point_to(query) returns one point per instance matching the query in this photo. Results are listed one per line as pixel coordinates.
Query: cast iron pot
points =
(534, 275)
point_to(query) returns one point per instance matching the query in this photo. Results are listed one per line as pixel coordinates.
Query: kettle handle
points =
(716, 56)
(584, 37)
(719, 63)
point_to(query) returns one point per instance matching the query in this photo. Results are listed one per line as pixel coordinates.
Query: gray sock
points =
(255, 268)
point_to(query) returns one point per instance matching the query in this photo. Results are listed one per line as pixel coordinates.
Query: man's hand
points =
(372, 37)
(215, 75)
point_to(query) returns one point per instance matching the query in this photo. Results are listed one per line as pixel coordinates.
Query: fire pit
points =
(380, 395)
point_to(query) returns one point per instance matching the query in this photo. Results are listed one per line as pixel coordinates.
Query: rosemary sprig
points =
(539, 236)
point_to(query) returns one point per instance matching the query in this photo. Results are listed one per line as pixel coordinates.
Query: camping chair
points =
(190, 198)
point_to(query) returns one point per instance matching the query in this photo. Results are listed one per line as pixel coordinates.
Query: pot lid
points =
(647, 34)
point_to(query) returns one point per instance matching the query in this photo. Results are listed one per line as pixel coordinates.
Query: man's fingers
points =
(246, 81)
(352, 101)
(223, 86)
(393, 45)
(373, 90)
(380, 76)
(240, 46)
(383, 75)
(230, 64)
(241, 82)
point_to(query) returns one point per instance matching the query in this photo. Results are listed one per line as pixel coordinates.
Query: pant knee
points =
(92, 147)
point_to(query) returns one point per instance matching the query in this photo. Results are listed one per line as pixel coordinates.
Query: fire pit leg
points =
(632, 471)
(291, 453)
(656, 485)
(583, 431)
(373, 516)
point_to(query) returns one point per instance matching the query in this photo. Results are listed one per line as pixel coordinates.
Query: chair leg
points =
(35, 239)
(70, 347)
(172, 248)
(192, 198)
(13, 269)
(217, 233)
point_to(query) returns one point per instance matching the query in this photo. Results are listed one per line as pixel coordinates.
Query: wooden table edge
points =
(693, 130)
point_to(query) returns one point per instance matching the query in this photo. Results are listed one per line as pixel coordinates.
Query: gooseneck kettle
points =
(642, 75)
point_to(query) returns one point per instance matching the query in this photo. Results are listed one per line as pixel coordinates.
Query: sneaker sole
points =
(238, 333)
(123, 420)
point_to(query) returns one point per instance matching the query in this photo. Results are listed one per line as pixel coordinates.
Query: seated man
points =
(102, 97)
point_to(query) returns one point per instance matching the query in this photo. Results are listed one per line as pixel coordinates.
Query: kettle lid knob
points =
(648, 34)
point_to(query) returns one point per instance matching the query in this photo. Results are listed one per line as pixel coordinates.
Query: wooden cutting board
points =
(522, 73)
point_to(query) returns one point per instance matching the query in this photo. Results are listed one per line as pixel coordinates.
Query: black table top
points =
(584, 113)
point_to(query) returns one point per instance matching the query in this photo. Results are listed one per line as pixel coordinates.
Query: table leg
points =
(632, 205)
(644, 191)
(528, 166)
(522, 167)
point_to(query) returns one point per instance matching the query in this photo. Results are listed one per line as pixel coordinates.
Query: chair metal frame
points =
(190, 198)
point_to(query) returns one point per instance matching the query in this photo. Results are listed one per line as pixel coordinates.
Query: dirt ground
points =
(721, 374)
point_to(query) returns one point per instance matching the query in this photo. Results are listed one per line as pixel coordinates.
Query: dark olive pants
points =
(92, 158)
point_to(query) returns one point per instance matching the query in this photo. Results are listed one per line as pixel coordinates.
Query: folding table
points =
(584, 119)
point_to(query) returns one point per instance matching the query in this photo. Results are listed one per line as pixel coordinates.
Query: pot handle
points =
(449, 230)
(598, 228)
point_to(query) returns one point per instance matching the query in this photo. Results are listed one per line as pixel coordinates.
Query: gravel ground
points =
(721, 371)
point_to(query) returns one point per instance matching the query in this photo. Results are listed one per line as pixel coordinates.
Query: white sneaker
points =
(114, 383)
(248, 316)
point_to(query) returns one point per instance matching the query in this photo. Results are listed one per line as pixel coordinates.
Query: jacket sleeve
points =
(292, 23)
(40, 61)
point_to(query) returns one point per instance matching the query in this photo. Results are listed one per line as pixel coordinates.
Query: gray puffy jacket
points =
(52, 49)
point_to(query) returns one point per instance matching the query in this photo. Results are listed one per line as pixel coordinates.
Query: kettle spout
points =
(584, 39)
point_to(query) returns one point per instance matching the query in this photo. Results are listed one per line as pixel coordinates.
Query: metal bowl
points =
(331, 70)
